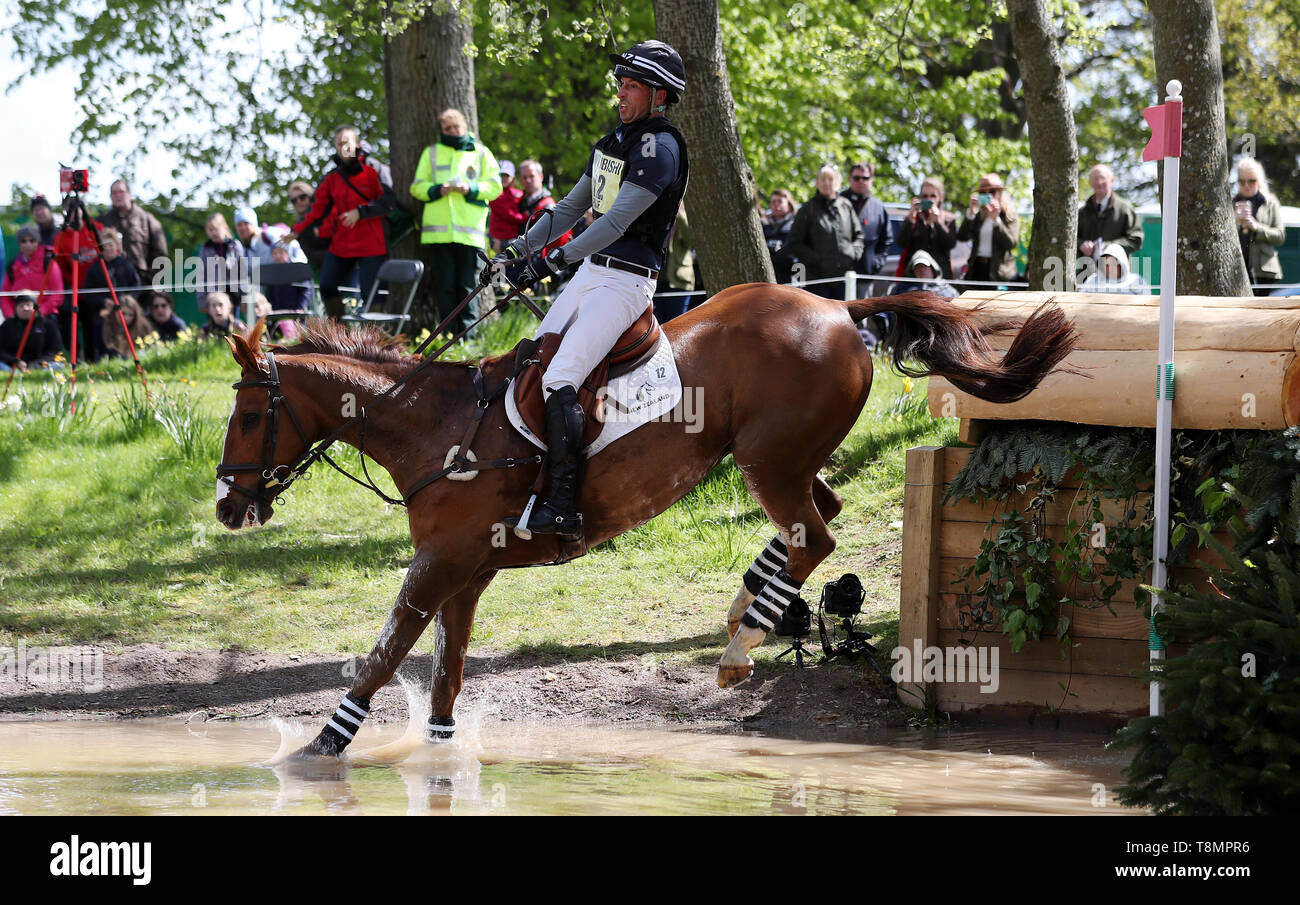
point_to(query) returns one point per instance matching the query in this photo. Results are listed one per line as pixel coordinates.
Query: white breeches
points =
(592, 312)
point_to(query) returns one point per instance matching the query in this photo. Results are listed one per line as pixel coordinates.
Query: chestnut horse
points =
(781, 375)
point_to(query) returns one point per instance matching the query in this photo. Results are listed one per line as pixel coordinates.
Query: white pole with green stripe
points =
(1166, 143)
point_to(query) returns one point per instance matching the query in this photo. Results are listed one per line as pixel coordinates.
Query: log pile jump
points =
(1237, 360)
(1237, 366)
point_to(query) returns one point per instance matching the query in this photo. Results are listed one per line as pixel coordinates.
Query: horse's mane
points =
(360, 342)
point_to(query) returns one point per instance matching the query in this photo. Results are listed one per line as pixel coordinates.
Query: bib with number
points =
(606, 180)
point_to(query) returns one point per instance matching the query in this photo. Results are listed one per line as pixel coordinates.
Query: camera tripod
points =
(796, 647)
(75, 218)
(855, 644)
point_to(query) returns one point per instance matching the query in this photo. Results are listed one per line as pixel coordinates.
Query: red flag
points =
(1166, 122)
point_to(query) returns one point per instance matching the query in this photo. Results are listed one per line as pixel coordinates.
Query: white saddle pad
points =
(643, 394)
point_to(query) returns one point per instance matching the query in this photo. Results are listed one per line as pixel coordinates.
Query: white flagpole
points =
(1164, 402)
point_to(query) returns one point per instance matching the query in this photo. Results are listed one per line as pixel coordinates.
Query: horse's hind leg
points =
(774, 556)
(808, 541)
(451, 639)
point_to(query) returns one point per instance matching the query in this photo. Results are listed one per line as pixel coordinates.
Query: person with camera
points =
(993, 229)
(97, 296)
(44, 342)
(929, 228)
(1259, 225)
(351, 206)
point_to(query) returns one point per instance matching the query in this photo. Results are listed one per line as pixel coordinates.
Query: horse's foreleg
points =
(775, 555)
(451, 639)
(416, 605)
(807, 540)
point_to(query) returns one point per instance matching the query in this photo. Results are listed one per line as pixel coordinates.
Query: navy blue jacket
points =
(876, 234)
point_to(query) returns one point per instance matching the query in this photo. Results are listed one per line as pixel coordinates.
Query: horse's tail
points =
(931, 335)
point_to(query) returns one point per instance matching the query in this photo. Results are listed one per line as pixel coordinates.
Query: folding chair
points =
(397, 270)
(298, 273)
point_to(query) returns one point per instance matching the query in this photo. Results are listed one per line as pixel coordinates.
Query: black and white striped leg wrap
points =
(765, 612)
(440, 728)
(346, 722)
(768, 563)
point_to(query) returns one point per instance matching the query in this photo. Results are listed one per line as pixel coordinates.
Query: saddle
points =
(533, 356)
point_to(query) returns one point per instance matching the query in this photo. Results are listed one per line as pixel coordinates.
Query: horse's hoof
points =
(731, 676)
(733, 626)
(315, 750)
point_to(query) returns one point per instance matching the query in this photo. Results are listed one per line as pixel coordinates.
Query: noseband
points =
(275, 476)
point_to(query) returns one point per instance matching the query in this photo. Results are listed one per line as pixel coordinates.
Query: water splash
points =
(412, 740)
(293, 735)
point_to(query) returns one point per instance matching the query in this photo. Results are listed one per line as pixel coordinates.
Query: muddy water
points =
(171, 767)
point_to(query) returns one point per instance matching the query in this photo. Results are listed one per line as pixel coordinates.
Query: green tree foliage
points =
(909, 83)
(207, 88)
(1261, 85)
(1229, 743)
(920, 86)
(1113, 73)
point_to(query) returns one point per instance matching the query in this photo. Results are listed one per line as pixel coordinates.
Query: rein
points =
(277, 483)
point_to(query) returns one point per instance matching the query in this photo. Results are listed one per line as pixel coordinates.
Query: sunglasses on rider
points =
(296, 198)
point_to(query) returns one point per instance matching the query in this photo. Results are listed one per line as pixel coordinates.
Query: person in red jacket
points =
(351, 209)
(27, 272)
(535, 196)
(505, 219)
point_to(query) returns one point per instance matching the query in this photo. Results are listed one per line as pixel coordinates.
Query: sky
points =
(46, 110)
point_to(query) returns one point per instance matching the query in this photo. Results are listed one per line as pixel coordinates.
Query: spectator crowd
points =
(473, 204)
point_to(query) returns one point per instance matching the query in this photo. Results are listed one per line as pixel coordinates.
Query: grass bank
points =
(107, 533)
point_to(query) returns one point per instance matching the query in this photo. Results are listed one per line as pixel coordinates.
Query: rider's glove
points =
(494, 270)
(524, 274)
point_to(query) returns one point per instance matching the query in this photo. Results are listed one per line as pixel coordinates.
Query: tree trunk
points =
(1186, 36)
(1052, 146)
(720, 201)
(425, 72)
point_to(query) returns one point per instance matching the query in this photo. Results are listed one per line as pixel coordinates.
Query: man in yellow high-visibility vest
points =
(456, 178)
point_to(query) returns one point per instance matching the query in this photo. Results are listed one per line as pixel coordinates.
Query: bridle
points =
(276, 482)
(270, 472)
(278, 478)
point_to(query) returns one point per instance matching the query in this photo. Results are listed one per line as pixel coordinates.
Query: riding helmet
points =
(654, 63)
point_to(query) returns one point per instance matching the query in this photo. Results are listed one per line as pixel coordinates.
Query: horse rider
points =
(633, 183)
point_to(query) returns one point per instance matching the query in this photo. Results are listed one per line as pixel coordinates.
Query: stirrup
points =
(525, 527)
(565, 529)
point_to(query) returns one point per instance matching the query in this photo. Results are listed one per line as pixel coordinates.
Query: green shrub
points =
(1229, 742)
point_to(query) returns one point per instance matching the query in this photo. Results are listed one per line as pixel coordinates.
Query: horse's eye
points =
(250, 420)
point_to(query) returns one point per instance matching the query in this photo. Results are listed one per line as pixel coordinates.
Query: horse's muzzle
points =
(238, 511)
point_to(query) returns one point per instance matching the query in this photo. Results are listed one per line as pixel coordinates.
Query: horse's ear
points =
(254, 336)
(243, 352)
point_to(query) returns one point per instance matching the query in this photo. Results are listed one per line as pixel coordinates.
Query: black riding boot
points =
(564, 424)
